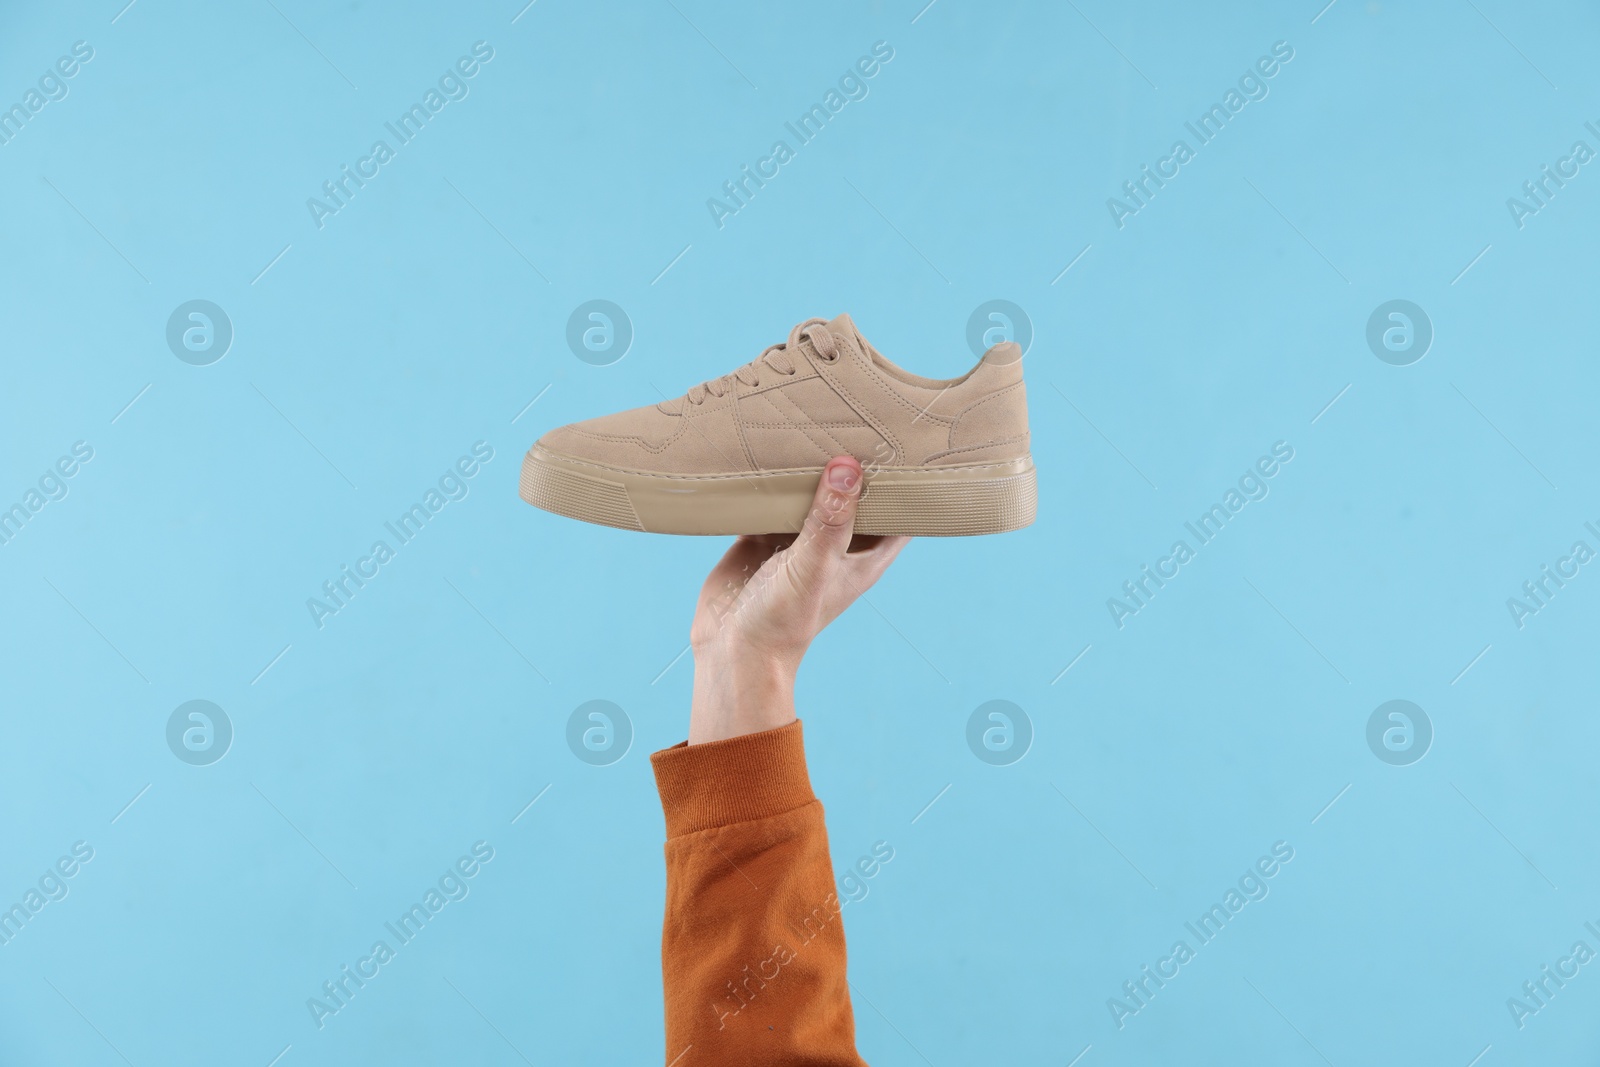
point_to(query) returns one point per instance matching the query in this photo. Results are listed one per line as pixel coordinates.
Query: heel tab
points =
(1004, 354)
(1001, 365)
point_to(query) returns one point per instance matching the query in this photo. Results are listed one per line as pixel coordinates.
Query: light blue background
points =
(1222, 318)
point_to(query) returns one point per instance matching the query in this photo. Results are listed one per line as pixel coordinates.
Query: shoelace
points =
(776, 357)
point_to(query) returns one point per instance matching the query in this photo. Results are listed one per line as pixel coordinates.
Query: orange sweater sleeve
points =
(752, 949)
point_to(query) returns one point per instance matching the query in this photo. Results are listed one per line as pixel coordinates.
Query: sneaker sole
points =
(919, 502)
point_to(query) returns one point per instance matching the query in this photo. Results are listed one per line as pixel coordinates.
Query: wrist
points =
(737, 692)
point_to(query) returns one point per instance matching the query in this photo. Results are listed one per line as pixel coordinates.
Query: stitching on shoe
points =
(955, 423)
(888, 390)
(634, 439)
(738, 426)
(792, 403)
(827, 453)
(712, 445)
(830, 425)
(865, 413)
(974, 448)
(796, 426)
(802, 374)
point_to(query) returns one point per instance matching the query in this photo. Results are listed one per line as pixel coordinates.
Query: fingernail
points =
(842, 478)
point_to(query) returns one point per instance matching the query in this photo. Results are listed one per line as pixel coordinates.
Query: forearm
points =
(737, 692)
(753, 955)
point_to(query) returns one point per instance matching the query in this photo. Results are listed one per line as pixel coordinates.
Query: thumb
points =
(825, 537)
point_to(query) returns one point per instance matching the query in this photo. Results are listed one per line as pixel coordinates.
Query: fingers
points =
(825, 537)
(862, 542)
(867, 566)
(859, 570)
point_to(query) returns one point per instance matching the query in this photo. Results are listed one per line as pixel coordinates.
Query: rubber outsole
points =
(957, 501)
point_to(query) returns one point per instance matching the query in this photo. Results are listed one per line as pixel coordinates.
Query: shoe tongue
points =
(844, 326)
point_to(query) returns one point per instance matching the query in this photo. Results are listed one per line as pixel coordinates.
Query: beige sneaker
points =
(741, 454)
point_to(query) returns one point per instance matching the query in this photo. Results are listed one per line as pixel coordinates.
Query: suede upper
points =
(801, 403)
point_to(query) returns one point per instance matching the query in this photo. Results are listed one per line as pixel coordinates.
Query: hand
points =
(764, 602)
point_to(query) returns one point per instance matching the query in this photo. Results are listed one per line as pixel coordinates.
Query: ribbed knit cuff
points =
(740, 779)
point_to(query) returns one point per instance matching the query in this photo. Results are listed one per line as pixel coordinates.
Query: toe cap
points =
(634, 438)
(650, 439)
